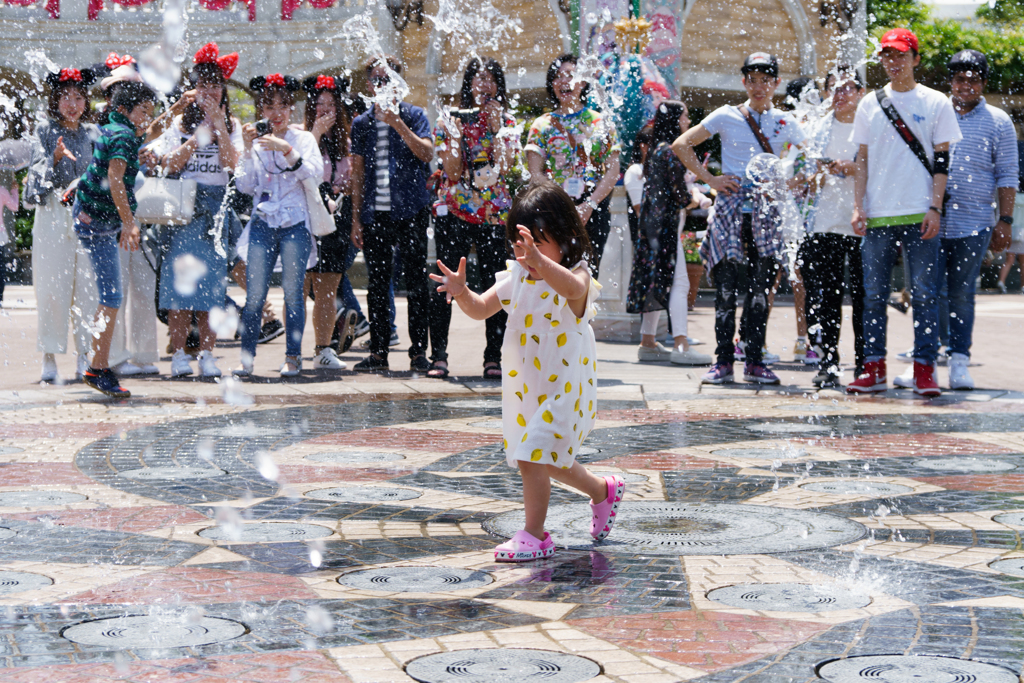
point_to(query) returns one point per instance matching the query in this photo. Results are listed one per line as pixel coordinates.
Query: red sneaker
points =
(924, 380)
(872, 379)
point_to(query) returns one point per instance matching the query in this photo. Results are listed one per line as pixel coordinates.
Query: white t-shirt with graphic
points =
(835, 200)
(898, 183)
(204, 164)
(740, 145)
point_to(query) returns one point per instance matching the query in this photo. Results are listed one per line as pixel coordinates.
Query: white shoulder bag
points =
(166, 201)
(321, 222)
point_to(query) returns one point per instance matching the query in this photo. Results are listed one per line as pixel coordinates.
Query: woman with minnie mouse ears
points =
(64, 282)
(275, 162)
(203, 144)
(327, 120)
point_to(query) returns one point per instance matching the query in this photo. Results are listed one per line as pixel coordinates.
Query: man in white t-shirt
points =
(745, 224)
(831, 242)
(898, 203)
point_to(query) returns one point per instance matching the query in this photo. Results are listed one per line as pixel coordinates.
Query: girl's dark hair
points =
(266, 88)
(665, 126)
(334, 143)
(57, 90)
(131, 94)
(194, 115)
(552, 74)
(550, 214)
(474, 67)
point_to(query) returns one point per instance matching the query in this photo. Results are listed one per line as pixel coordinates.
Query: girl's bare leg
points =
(536, 496)
(581, 479)
(325, 312)
(177, 327)
(207, 337)
(105, 317)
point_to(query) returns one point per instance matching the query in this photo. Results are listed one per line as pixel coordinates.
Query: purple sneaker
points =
(759, 374)
(720, 373)
(738, 352)
(811, 357)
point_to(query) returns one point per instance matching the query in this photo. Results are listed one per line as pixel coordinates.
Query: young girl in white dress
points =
(549, 369)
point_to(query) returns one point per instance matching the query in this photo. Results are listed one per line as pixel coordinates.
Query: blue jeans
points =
(265, 245)
(102, 250)
(960, 263)
(879, 251)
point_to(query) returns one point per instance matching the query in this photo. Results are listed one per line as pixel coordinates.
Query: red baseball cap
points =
(900, 39)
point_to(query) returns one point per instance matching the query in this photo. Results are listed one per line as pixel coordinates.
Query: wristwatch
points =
(1006, 219)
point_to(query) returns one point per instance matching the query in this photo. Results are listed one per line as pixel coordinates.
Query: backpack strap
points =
(885, 102)
(756, 130)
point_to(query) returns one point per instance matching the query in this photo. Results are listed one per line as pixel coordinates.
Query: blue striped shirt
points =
(984, 160)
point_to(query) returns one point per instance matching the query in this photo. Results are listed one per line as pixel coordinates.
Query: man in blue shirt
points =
(982, 184)
(391, 151)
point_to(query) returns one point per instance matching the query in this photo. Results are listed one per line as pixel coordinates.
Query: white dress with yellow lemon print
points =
(549, 370)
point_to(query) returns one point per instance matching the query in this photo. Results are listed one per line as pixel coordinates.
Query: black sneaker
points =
(105, 382)
(394, 341)
(825, 380)
(270, 330)
(372, 364)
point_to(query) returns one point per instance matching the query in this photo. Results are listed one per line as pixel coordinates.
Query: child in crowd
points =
(549, 378)
(104, 206)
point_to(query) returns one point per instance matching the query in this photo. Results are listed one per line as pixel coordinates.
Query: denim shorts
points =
(103, 253)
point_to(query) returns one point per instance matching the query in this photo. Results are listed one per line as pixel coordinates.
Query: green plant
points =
(21, 231)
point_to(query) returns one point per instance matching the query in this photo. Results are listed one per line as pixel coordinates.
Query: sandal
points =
(492, 370)
(604, 512)
(523, 547)
(438, 369)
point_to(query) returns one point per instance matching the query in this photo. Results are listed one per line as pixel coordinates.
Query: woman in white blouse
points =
(274, 166)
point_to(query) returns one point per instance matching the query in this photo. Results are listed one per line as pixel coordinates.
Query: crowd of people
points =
(905, 171)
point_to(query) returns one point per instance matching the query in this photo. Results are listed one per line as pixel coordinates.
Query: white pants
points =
(64, 282)
(677, 298)
(135, 331)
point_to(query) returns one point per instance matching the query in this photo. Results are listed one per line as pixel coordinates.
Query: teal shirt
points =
(117, 141)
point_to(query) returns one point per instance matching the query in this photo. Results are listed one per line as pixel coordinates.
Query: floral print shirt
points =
(589, 129)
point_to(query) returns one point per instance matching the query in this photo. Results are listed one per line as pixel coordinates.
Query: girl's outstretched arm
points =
(453, 284)
(573, 285)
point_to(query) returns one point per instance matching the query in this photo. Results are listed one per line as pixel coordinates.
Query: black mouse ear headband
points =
(83, 77)
(261, 83)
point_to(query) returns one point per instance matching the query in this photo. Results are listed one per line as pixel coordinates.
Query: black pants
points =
(726, 275)
(822, 256)
(380, 237)
(453, 238)
(598, 227)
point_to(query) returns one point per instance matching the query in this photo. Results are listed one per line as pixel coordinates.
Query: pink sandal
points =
(605, 511)
(523, 547)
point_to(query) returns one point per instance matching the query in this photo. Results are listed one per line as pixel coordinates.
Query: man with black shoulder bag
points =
(903, 135)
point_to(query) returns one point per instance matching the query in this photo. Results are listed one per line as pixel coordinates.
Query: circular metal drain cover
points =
(415, 579)
(363, 494)
(965, 464)
(486, 424)
(789, 597)
(34, 499)
(246, 431)
(787, 428)
(171, 473)
(266, 532)
(1013, 566)
(900, 668)
(6, 533)
(490, 665)
(854, 487)
(18, 582)
(658, 528)
(761, 453)
(10, 450)
(475, 403)
(136, 632)
(351, 458)
(1011, 518)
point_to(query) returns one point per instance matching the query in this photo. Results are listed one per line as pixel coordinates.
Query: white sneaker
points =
(148, 369)
(291, 367)
(81, 365)
(127, 369)
(208, 365)
(180, 365)
(959, 377)
(327, 359)
(656, 354)
(689, 357)
(49, 373)
(906, 380)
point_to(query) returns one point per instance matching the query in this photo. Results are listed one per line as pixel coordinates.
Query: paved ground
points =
(203, 532)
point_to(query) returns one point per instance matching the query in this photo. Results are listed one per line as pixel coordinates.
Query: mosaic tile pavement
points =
(174, 491)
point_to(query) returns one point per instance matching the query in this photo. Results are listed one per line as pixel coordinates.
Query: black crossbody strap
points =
(903, 129)
(756, 130)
